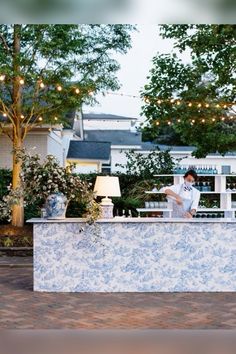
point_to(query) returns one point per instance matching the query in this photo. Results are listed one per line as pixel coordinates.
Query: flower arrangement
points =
(39, 179)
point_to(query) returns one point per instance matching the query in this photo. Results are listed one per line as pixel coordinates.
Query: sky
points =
(135, 66)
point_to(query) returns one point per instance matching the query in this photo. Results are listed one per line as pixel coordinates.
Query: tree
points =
(145, 166)
(195, 99)
(47, 70)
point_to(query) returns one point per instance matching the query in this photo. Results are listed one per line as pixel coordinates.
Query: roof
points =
(115, 137)
(147, 146)
(104, 116)
(89, 150)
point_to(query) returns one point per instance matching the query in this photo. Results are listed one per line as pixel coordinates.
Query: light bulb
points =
(40, 119)
(217, 106)
(190, 104)
(199, 105)
(178, 103)
(77, 90)
(223, 118)
(169, 123)
(22, 116)
(42, 85)
(213, 119)
(157, 123)
(59, 88)
(207, 105)
(90, 93)
(21, 81)
(203, 120)
(225, 106)
(4, 115)
(55, 118)
(172, 100)
(193, 121)
(2, 77)
(178, 120)
(159, 101)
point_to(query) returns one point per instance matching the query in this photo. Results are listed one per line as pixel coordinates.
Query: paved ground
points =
(21, 308)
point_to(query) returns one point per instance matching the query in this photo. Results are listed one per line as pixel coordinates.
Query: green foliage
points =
(145, 166)
(5, 180)
(74, 56)
(209, 77)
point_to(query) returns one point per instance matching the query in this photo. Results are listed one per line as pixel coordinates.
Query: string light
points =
(199, 105)
(193, 121)
(55, 118)
(178, 103)
(217, 106)
(40, 119)
(223, 118)
(4, 115)
(213, 119)
(22, 116)
(157, 123)
(2, 77)
(225, 106)
(159, 101)
(172, 101)
(169, 123)
(59, 88)
(179, 120)
(203, 120)
(91, 92)
(22, 81)
(77, 91)
(190, 104)
(41, 85)
(207, 105)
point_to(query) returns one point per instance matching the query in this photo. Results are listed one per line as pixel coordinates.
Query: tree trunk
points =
(18, 209)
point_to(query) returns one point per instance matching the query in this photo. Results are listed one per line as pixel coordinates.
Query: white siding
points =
(55, 147)
(34, 143)
(106, 124)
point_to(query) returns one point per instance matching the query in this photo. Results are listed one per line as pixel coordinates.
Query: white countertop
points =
(137, 220)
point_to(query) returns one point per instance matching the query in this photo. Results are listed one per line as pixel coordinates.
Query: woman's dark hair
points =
(191, 173)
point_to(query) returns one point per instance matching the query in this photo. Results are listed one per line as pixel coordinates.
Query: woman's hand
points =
(188, 215)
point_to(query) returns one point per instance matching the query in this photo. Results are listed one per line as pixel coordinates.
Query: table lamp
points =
(107, 186)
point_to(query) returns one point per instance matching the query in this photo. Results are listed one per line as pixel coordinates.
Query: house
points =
(41, 140)
(99, 143)
(94, 134)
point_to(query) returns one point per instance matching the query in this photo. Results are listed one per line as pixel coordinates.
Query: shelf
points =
(199, 175)
(152, 209)
(212, 209)
(150, 192)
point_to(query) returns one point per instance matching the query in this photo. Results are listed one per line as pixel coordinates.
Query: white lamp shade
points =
(107, 186)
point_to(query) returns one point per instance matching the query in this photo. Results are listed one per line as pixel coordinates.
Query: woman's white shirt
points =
(192, 194)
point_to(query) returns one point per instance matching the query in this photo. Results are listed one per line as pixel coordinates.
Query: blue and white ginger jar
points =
(56, 205)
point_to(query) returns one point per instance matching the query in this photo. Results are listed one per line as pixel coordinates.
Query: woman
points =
(184, 196)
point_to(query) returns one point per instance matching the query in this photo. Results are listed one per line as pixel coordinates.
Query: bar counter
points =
(134, 255)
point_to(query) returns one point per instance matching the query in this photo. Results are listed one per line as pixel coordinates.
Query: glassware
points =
(215, 204)
(155, 188)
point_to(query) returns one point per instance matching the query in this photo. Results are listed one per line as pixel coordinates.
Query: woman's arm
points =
(175, 195)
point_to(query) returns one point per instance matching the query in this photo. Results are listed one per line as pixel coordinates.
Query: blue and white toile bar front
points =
(135, 255)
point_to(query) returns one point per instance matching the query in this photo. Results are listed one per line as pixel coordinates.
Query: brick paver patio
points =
(21, 308)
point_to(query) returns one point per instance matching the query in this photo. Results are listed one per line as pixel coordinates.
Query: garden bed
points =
(12, 236)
